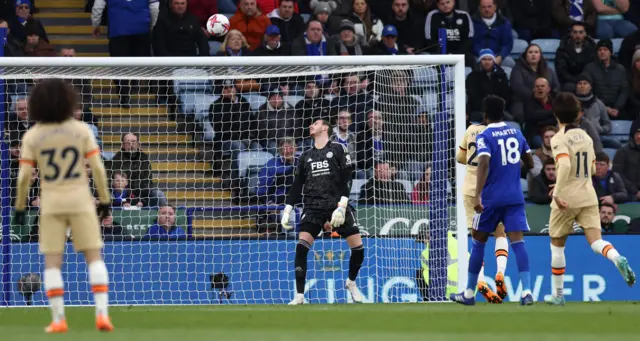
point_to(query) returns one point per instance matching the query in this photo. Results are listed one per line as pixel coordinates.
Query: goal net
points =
(200, 154)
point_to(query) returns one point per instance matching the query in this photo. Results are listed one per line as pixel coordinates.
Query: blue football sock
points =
(475, 263)
(522, 258)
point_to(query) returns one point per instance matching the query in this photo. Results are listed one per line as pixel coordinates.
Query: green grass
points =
(398, 322)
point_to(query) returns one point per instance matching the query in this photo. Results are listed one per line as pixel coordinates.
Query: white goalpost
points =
(200, 153)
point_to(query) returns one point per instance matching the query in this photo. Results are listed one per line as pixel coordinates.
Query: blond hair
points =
(223, 47)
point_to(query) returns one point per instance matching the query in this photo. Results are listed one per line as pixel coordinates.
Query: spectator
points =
(165, 225)
(12, 47)
(588, 127)
(343, 135)
(608, 184)
(231, 116)
(348, 42)
(389, 45)
(576, 50)
(136, 165)
(371, 142)
(179, 34)
(111, 227)
(595, 111)
(130, 24)
(276, 119)
(17, 126)
(234, 45)
(541, 187)
(353, 97)
(459, 30)
(543, 153)
(633, 104)
(35, 46)
(407, 23)
(314, 106)
(291, 24)
(538, 111)
(121, 194)
(611, 23)
(366, 24)
(610, 82)
(276, 176)
(250, 22)
(321, 13)
(530, 66)
(267, 6)
(420, 194)
(203, 10)
(630, 44)
(382, 189)
(607, 214)
(627, 164)
(566, 13)
(78, 115)
(272, 45)
(532, 19)
(312, 42)
(18, 23)
(487, 79)
(492, 31)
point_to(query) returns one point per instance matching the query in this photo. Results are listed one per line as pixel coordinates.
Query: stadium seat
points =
(519, 46)
(252, 158)
(195, 103)
(426, 76)
(467, 71)
(214, 47)
(548, 47)
(408, 186)
(620, 130)
(525, 186)
(356, 186)
(430, 102)
(252, 178)
(514, 125)
(197, 84)
(293, 100)
(305, 16)
(255, 100)
(551, 64)
(617, 42)
(514, 34)
(611, 152)
(14, 98)
(507, 70)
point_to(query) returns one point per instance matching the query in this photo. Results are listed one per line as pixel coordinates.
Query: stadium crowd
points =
(523, 51)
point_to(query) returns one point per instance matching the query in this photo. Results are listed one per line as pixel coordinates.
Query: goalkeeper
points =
(325, 172)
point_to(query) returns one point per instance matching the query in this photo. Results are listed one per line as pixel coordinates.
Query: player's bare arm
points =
(527, 160)
(461, 156)
(563, 168)
(481, 178)
(100, 181)
(24, 177)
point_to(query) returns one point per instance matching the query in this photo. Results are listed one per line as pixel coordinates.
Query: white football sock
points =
(606, 249)
(54, 287)
(558, 264)
(468, 293)
(99, 279)
(502, 252)
(481, 274)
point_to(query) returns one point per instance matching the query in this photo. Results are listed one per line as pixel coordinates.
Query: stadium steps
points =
(64, 30)
(56, 4)
(150, 139)
(151, 127)
(166, 153)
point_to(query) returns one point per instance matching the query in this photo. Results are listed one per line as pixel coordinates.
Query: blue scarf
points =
(393, 50)
(316, 49)
(575, 10)
(230, 53)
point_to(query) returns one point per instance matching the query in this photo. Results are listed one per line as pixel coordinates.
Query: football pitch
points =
(388, 322)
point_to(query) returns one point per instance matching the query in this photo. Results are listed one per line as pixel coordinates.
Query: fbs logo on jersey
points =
(481, 143)
(319, 165)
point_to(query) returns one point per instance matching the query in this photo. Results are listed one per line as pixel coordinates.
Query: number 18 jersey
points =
(59, 150)
(504, 146)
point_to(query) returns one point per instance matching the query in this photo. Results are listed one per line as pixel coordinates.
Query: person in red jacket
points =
(203, 9)
(267, 6)
(251, 22)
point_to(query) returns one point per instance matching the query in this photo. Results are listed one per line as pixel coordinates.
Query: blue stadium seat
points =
(197, 81)
(551, 64)
(293, 100)
(214, 47)
(617, 42)
(507, 70)
(467, 71)
(195, 103)
(426, 76)
(621, 129)
(548, 47)
(253, 158)
(525, 186)
(430, 102)
(519, 46)
(305, 17)
(611, 152)
(514, 34)
(514, 125)
(255, 100)
(356, 186)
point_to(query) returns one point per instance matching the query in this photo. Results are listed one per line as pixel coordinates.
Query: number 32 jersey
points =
(504, 146)
(59, 150)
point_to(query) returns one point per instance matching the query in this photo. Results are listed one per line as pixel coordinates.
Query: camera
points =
(220, 282)
(28, 285)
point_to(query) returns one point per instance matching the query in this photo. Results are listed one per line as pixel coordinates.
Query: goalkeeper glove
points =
(103, 211)
(337, 218)
(286, 218)
(19, 217)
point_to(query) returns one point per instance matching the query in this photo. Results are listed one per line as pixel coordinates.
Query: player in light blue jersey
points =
(499, 196)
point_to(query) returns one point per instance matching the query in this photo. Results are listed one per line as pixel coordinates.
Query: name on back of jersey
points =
(503, 132)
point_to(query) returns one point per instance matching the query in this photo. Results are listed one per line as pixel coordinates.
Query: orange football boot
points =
(57, 327)
(103, 323)
(501, 287)
(488, 294)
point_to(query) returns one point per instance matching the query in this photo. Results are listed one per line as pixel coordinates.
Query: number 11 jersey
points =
(505, 147)
(59, 150)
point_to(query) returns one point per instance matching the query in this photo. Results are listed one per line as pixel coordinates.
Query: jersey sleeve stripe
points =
(28, 162)
(561, 155)
(528, 151)
(484, 153)
(92, 153)
(462, 148)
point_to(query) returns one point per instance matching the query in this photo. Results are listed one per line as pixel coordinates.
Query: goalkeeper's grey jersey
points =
(323, 176)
